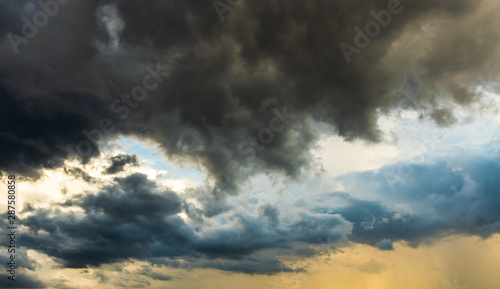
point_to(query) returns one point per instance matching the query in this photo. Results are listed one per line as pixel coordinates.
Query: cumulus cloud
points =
(212, 79)
(23, 280)
(385, 245)
(134, 213)
(118, 163)
(239, 98)
(438, 199)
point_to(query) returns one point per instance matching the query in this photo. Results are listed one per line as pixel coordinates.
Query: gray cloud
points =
(438, 200)
(217, 86)
(135, 213)
(227, 77)
(23, 280)
(118, 163)
(131, 213)
(78, 173)
(385, 245)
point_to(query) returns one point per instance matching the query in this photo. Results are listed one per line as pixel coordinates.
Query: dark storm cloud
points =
(252, 235)
(271, 213)
(147, 271)
(373, 221)
(134, 219)
(22, 259)
(439, 198)
(34, 131)
(23, 280)
(119, 162)
(262, 263)
(385, 245)
(306, 252)
(46, 94)
(130, 214)
(226, 77)
(78, 173)
(26, 267)
(268, 266)
(209, 206)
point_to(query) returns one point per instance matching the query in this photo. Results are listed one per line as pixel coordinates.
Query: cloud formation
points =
(385, 245)
(118, 163)
(434, 198)
(135, 213)
(87, 70)
(458, 198)
(241, 98)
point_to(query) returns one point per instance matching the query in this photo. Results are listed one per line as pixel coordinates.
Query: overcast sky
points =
(251, 144)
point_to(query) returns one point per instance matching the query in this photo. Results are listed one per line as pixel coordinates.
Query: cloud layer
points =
(211, 86)
(133, 218)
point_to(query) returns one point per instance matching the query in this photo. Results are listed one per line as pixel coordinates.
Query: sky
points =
(250, 144)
